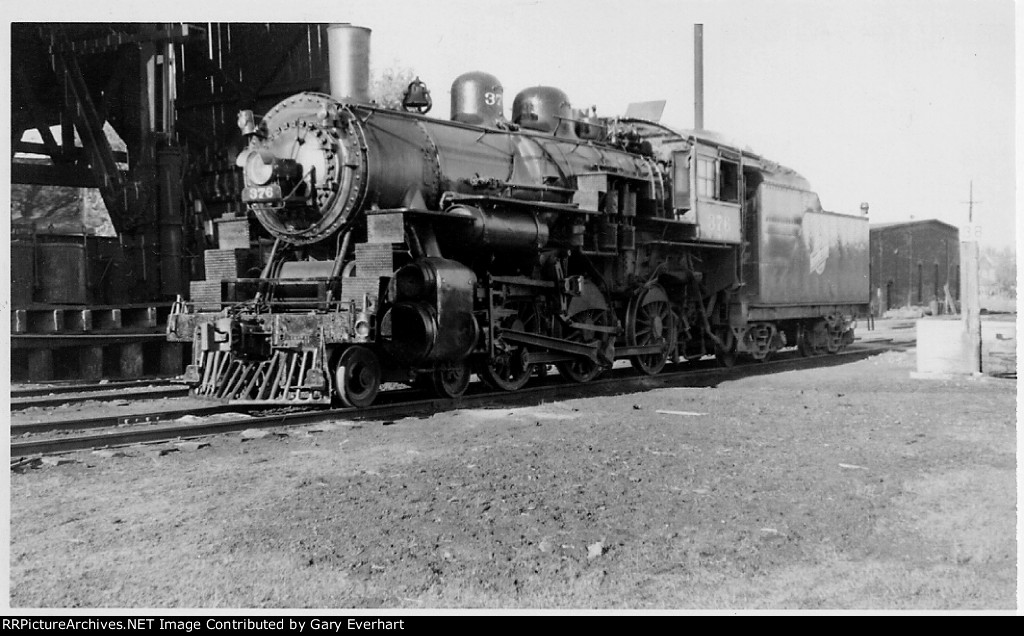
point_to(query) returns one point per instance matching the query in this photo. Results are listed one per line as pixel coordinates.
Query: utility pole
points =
(698, 77)
(970, 301)
(970, 204)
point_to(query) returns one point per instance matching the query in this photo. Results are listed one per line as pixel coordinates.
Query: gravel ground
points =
(845, 487)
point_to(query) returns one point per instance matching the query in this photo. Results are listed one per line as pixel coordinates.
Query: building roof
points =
(909, 224)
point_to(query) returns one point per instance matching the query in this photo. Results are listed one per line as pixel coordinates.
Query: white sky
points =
(900, 103)
(897, 103)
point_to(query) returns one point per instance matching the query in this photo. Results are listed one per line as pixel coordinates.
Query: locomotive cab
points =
(707, 188)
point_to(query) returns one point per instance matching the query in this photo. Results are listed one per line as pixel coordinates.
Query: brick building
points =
(912, 262)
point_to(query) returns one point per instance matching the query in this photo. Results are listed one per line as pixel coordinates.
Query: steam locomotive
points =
(416, 250)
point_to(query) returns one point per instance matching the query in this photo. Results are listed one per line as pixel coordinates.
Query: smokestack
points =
(349, 51)
(698, 77)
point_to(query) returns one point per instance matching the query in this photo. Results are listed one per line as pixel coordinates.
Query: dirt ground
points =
(850, 487)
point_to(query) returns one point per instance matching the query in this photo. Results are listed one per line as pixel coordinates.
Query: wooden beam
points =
(56, 175)
(68, 154)
(94, 140)
(176, 33)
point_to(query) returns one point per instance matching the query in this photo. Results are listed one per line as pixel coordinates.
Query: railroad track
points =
(64, 388)
(153, 427)
(27, 398)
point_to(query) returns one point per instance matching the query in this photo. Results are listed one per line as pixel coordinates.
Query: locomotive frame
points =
(419, 250)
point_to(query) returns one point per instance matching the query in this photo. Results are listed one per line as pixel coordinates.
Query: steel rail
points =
(111, 421)
(85, 387)
(19, 403)
(620, 381)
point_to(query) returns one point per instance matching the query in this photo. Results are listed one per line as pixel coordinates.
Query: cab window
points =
(729, 181)
(707, 175)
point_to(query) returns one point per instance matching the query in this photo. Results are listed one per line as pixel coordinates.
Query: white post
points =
(970, 304)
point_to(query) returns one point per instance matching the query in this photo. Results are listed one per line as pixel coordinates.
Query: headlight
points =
(259, 168)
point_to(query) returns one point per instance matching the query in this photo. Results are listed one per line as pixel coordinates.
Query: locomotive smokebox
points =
(349, 50)
(477, 98)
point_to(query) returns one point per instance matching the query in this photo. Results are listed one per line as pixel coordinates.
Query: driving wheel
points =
(649, 321)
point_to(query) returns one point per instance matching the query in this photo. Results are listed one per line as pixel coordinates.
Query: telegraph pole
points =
(698, 77)
(970, 205)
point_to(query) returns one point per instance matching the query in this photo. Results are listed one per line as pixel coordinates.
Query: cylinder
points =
(349, 51)
(432, 318)
(413, 331)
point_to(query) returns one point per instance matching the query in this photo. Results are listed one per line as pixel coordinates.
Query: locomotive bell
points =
(416, 98)
(477, 98)
(544, 108)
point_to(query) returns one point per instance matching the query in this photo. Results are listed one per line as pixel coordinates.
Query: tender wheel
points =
(803, 343)
(834, 334)
(580, 369)
(758, 341)
(450, 381)
(357, 376)
(649, 321)
(725, 354)
(813, 341)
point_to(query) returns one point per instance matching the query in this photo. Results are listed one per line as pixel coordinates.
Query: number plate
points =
(259, 194)
(719, 221)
